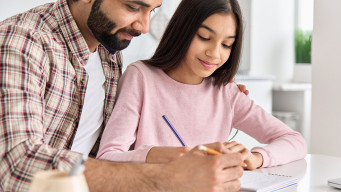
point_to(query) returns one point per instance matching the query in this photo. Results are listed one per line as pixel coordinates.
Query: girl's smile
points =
(207, 65)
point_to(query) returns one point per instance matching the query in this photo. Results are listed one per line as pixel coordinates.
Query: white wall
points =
(12, 7)
(245, 62)
(272, 38)
(326, 78)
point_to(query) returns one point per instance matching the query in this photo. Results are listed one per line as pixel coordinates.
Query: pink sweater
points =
(201, 114)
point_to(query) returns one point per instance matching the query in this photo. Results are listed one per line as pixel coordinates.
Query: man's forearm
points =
(105, 176)
(194, 171)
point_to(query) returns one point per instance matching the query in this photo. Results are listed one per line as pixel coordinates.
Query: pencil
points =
(209, 150)
(214, 152)
(174, 130)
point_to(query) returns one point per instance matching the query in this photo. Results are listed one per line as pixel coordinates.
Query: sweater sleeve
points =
(120, 132)
(284, 145)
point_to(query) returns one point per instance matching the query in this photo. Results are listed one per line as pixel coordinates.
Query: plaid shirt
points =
(42, 88)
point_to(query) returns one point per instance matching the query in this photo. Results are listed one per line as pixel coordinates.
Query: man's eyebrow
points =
(141, 3)
(212, 31)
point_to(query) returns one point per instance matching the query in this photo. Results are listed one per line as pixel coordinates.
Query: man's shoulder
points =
(36, 30)
(36, 20)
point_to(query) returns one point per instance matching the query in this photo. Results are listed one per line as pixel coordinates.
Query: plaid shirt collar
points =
(76, 42)
(71, 33)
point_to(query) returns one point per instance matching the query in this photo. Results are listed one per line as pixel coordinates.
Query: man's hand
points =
(193, 171)
(241, 87)
(198, 171)
(165, 154)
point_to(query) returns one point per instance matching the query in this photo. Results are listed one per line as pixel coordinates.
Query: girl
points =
(187, 80)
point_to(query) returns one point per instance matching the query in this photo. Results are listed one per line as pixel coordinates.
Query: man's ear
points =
(87, 1)
(70, 2)
(79, 2)
(80, 10)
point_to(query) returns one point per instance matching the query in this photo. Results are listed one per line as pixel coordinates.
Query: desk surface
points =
(313, 172)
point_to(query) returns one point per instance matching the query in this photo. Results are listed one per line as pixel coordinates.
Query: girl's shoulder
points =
(229, 86)
(142, 67)
(231, 89)
(143, 70)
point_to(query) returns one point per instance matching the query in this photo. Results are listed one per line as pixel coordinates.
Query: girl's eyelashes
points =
(227, 46)
(207, 39)
(203, 38)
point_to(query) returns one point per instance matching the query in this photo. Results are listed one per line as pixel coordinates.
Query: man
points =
(58, 75)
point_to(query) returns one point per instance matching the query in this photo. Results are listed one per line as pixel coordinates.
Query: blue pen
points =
(174, 130)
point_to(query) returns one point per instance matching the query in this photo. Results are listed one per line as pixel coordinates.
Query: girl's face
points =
(209, 49)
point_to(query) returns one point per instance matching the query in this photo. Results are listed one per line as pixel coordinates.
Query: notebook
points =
(266, 182)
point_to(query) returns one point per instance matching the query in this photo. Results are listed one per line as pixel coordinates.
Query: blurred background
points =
(291, 62)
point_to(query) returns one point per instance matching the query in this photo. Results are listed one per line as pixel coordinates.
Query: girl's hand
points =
(165, 154)
(253, 160)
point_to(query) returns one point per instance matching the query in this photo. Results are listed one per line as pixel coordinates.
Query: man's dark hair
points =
(184, 25)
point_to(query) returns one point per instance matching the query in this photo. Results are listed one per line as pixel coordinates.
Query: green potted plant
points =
(302, 69)
(303, 46)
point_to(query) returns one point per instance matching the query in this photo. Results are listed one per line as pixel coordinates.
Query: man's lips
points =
(127, 36)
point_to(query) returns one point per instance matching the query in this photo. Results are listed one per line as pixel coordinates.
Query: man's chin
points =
(118, 47)
(124, 44)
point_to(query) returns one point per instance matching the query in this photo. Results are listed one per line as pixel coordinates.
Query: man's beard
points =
(101, 26)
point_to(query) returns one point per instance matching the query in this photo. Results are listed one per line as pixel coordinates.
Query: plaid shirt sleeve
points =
(23, 148)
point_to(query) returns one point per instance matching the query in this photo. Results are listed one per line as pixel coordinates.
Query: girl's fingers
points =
(234, 146)
(237, 148)
(230, 144)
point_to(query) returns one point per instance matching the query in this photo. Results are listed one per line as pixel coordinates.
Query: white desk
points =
(313, 172)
